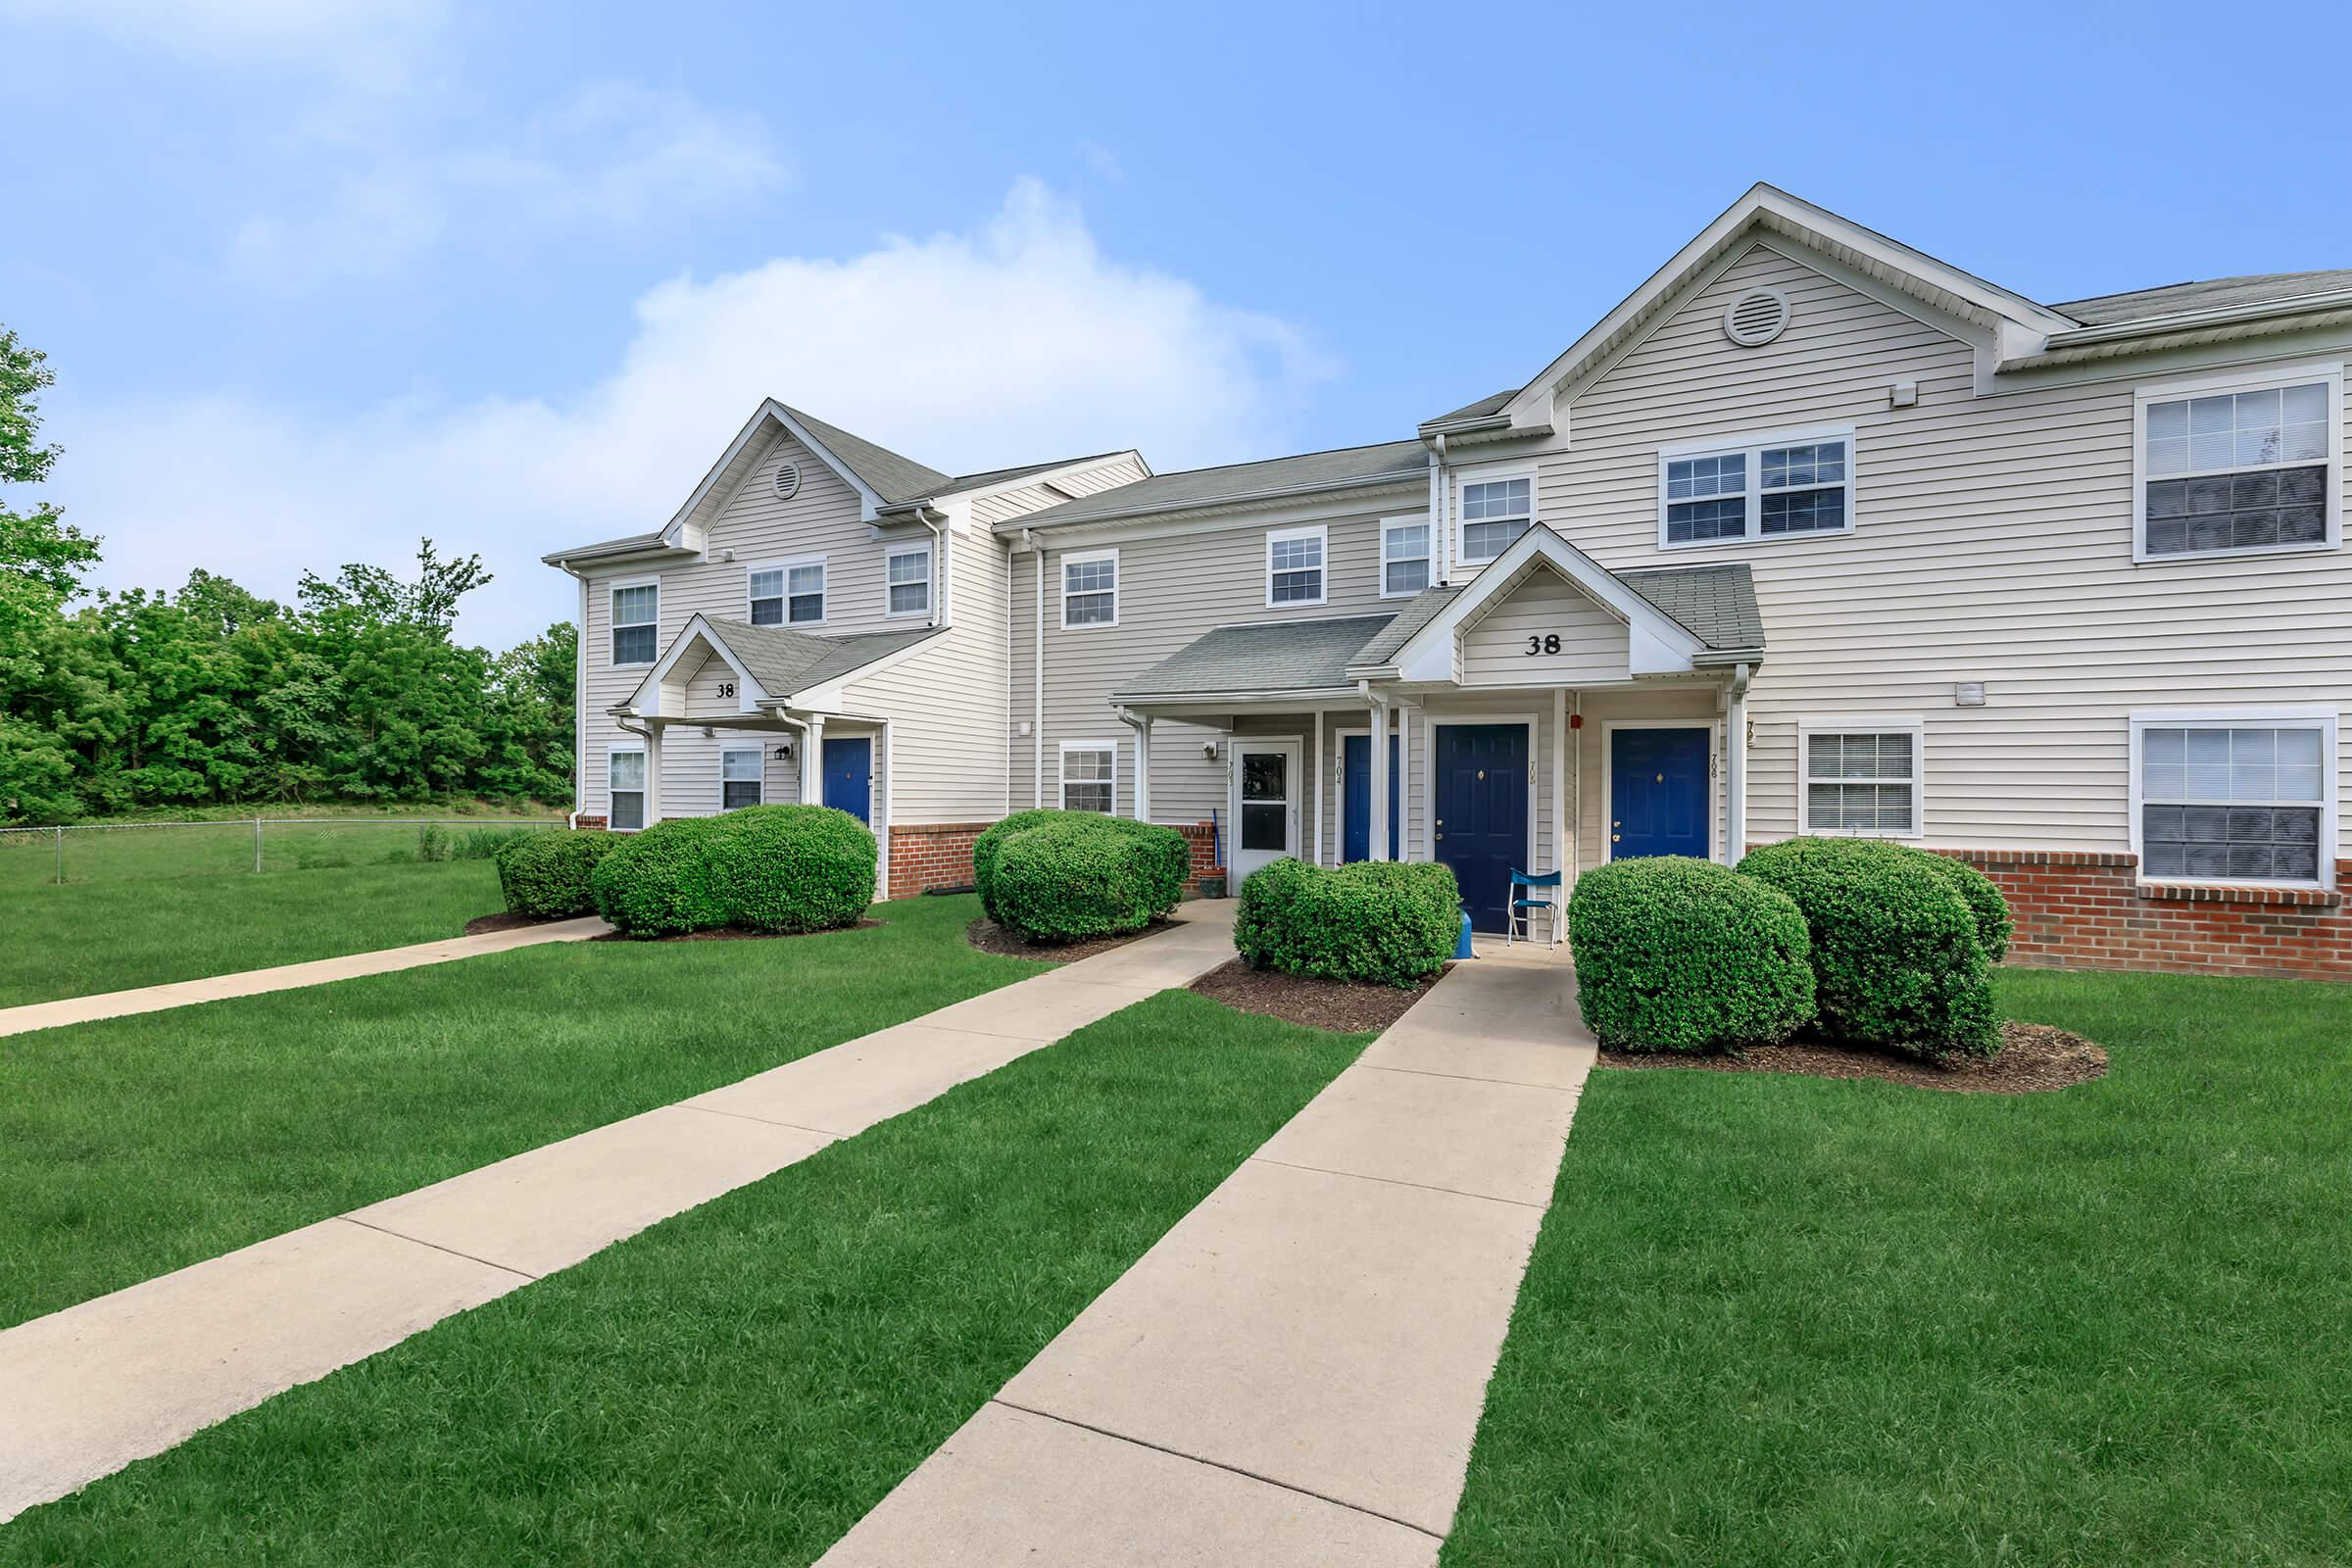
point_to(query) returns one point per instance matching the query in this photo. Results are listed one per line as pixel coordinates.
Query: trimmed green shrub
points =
(1896, 958)
(1984, 900)
(1675, 953)
(793, 867)
(1078, 877)
(545, 874)
(991, 843)
(1381, 921)
(1166, 865)
(663, 880)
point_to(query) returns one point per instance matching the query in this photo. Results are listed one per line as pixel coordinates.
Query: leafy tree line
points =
(357, 691)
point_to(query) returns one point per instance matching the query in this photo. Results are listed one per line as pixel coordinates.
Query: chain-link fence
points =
(130, 852)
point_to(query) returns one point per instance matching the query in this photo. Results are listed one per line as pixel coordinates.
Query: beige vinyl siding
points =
(1993, 542)
(948, 701)
(1594, 644)
(1005, 505)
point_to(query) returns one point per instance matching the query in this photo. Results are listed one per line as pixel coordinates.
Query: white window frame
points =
(758, 755)
(2289, 716)
(612, 621)
(1462, 481)
(2330, 372)
(1753, 448)
(824, 591)
(644, 794)
(1080, 557)
(899, 552)
(1428, 555)
(1062, 779)
(1321, 535)
(1913, 725)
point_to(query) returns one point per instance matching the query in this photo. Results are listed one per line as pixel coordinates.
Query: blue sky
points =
(317, 278)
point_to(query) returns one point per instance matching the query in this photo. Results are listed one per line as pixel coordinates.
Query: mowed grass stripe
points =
(133, 1147)
(1778, 1319)
(742, 1383)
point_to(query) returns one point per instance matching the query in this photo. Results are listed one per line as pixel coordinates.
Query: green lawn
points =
(1782, 1320)
(136, 1146)
(740, 1384)
(87, 937)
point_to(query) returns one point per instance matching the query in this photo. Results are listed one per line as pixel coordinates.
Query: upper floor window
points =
(789, 593)
(1090, 589)
(1762, 487)
(1294, 565)
(1861, 776)
(636, 622)
(1403, 556)
(2243, 796)
(742, 777)
(908, 574)
(1494, 512)
(2238, 463)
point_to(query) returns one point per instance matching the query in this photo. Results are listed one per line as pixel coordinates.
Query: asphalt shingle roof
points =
(889, 475)
(1201, 487)
(973, 481)
(1283, 655)
(785, 662)
(1717, 605)
(1491, 403)
(2107, 309)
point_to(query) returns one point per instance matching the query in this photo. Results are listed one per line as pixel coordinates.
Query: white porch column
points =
(1143, 769)
(813, 763)
(1561, 817)
(1735, 756)
(1314, 787)
(1381, 848)
(652, 774)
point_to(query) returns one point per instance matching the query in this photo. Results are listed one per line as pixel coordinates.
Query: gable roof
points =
(2217, 293)
(776, 662)
(893, 477)
(1281, 656)
(1310, 472)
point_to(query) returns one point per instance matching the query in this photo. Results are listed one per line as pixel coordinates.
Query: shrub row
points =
(783, 868)
(1387, 921)
(1067, 876)
(545, 874)
(1874, 943)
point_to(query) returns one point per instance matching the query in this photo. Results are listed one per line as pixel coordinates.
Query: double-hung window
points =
(1090, 776)
(627, 788)
(1294, 565)
(1861, 776)
(2238, 463)
(788, 593)
(1494, 512)
(636, 622)
(1090, 589)
(908, 571)
(742, 775)
(1403, 556)
(2235, 797)
(1766, 487)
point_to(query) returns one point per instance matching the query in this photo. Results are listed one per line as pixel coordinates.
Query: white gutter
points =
(1037, 724)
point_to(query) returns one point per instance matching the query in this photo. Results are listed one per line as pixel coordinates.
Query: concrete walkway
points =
(88, 1390)
(289, 976)
(1294, 1375)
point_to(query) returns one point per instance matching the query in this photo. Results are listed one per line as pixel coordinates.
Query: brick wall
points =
(2078, 910)
(939, 855)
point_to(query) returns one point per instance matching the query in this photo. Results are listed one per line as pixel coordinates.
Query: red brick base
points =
(2078, 910)
(939, 855)
(589, 822)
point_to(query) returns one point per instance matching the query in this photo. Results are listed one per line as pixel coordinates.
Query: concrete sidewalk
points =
(1294, 1374)
(88, 1390)
(289, 976)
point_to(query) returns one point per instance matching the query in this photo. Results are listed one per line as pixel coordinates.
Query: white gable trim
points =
(1657, 644)
(2019, 320)
(646, 699)
(869, 504)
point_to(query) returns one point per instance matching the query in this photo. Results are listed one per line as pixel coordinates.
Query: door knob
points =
(1617, 823)
(1613, 838)
(1437, 835)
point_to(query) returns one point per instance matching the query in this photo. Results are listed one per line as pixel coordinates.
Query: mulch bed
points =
(990, 937)
(2034, 1058)
(728, 933)
(1333, 1005)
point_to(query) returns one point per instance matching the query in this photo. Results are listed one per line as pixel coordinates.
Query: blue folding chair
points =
(1527, 902)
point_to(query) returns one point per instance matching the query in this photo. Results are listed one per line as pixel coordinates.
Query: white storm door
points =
(1266, 789)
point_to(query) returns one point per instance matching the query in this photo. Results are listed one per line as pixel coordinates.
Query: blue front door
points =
(1355, 782)
(1659, 793)
(1481, 826)
(850, 778)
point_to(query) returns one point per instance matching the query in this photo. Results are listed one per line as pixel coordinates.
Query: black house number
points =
(1546, 643)
(726, 688)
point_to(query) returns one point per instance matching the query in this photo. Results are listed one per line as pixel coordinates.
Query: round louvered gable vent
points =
(788, 482)
(1756, 316)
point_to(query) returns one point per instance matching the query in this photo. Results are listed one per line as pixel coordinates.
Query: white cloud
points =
(612, 160)
(372, 43)
(1015, 342)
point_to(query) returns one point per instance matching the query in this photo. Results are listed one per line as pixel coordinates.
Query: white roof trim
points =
(646, 699)
(1764, 207)
(868, 502)
(1657, 643)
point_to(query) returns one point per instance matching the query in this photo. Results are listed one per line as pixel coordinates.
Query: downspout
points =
(579, 698)
(1734, 749)
(1437, 513)
(943, 611)
(1037, 724)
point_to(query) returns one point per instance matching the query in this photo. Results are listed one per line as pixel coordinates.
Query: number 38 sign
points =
(1550, 643)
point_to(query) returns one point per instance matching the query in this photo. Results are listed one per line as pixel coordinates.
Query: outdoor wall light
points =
(784, 751)
(1209, 749)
